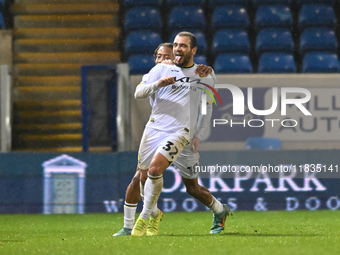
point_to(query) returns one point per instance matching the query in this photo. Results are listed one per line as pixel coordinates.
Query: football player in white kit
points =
(185, 161)
(172, 124)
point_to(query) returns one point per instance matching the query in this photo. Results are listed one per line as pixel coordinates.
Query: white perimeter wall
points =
(324, 86)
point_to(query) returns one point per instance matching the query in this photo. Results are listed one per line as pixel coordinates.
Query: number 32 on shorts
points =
(171, 148)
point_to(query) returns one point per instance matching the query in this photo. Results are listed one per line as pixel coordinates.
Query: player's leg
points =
(202, 194)
(132, 197)
(186, 163)
(156, 214)
(134, 191)
(168, 151)
(152, 190)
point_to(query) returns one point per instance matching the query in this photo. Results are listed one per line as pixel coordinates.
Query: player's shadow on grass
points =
(246, 235)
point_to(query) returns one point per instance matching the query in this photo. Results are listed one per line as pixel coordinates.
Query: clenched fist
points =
(165, 81)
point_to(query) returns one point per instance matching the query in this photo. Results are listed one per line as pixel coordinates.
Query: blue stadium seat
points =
(214, 3)
(316, 15)
(229, 16)
(143, 18)
(200, 36)
(200, 59)
(189, 17)
(142, 42)
(274, 39)
(318, 39)
(263, 143)
(2, 21)
(273, 16)
(320, 62)
(302, 2)
(276, 62)
(257, 3)
(232, 63)
(230, 40)
(172, 3)
(141, 63)
(136, 3)
(2, 5)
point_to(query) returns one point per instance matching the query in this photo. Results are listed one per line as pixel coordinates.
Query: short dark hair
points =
(193, 40)
(167, 44)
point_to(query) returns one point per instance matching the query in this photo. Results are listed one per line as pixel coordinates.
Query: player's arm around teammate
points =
(135, 190)
(168, 103)
(184, 50)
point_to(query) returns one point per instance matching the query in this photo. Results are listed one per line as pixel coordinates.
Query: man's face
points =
(164, 53)
(184, 55)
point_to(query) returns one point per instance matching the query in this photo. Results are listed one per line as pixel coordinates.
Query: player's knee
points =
(156, 169)
(158, 164)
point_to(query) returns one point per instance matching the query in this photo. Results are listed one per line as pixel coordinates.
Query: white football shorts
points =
(169, 144)
(186, 162)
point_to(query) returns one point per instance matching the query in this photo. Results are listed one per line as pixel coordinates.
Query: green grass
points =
(275, 232)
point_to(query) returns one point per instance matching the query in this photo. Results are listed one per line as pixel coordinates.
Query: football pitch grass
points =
(247, 232)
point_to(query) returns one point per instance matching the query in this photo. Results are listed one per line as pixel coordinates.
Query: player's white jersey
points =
(176, 106)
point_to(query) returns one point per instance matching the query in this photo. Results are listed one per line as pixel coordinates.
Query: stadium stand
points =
(263, 143)
(141, 63)
(134, 3)
(299, 3)
(214, 3)
(257, 3)
(50, 44)
(273, 16)
(230, 40)
(318, 39)
(188, 17)
(147, 18)
(201, 59)
(2, 21)
(229, 16)
(276, 62)
(320, 62)
(259, 26)
(232, 63)
(142, 42)
(274, 39)
(200, 36)
(172, 3)
(2, 9)
(316, 15)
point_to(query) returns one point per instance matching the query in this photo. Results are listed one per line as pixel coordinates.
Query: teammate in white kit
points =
(172, 124)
